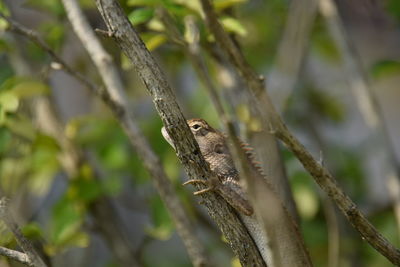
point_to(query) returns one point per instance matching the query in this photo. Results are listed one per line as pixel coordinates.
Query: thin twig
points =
(177, 128)
(320, 174)
(25, 244)
(114, 86)
(15, 255)
(291, 50)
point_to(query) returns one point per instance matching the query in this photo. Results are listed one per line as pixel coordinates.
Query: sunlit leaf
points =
(306, 201)
(144, 2)
(155, 41)
(29, 89)
(223, 4)
(233, 25)
(156, 25)
(4, 10)
(9, 102)
(140, 15)
(235, 262)
(193, 5)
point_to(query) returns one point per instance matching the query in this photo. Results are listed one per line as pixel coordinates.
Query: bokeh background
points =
(318, 65)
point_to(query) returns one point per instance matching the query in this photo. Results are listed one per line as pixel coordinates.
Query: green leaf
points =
(386, 68)
(141, 15)
(85, 190)
(393, 6)
(4, 10)
(53, 7)
(9, 102)
(5, 139)
(21, 126)
(32, 231)
(116, 155)
(223, 4)
(144, 2)
(163, 226)
(154, 41)
(233, 25)
(30, 88)
(67, 218)
(306, 201)
(54, 34)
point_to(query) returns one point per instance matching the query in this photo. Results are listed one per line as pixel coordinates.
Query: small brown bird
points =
(215, 151)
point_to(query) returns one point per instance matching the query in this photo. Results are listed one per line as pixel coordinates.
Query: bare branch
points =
(175, 124)
(15, 255)
(367, 103)
(114, 86)
(320, 174)
(24, 243)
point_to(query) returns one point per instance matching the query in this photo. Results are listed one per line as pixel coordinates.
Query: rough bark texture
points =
(114, 86)
(187, 148)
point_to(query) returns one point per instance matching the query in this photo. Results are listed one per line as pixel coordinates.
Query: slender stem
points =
(24, 243)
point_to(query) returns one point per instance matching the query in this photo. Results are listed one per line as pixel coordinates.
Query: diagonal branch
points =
(31, 255)
(320, 174)
(114, 86)
(187, 149)
(16, 255)
(276, 235)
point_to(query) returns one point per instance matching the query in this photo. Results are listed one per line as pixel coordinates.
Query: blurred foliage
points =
(58, 203)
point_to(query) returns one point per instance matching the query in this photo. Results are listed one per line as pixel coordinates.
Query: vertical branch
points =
(24, 243)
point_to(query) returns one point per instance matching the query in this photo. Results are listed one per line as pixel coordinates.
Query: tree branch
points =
(276, 236)
(109, 73)
(16, 255)
(187, 149)
(33, 259)
(320, 174)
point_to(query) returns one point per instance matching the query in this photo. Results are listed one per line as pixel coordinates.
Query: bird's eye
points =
(196, 126)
